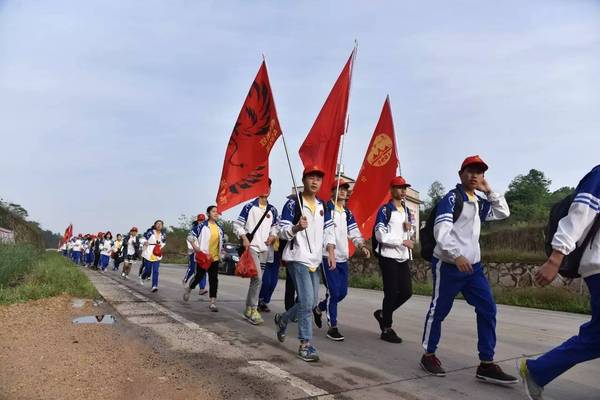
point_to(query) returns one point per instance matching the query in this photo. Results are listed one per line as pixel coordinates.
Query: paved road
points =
(364, 366)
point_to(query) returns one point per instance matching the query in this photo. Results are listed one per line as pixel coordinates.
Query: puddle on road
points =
(106, 319)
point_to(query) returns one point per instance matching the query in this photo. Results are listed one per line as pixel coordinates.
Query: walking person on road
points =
(308, 228)
(106, 250)
(393, 242)
(131, 250)
(76, 249)
(155, 242)
(98, 249)
(207, 238)
(270, 277)
(336, 280)
(191, 269)
(457, 268)
(580, 225)
(117, 252)
(257, 227)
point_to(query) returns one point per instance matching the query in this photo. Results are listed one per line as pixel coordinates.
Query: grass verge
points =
(549, 298)
(30, 274)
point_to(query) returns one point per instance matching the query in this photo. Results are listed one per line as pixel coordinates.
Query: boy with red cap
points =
(457, 268)
(307, 227)
(336, 280)
(393, 241)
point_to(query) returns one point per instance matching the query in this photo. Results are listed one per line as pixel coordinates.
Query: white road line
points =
(296, 382)
(266, 366)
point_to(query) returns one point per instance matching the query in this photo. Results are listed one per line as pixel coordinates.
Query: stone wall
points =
(505, 275)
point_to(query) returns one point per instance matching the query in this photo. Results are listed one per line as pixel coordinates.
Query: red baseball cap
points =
(342, 182)
(474, 160)
(313, 169)
(399, 181)
(133, 229)
(201, 217)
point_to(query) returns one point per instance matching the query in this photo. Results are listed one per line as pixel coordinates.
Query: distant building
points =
(413, 201)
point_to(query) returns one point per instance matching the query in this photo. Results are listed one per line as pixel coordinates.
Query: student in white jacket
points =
(336, 280)
(258, 217)
(307, 228)
(207, 238)
(105, 250)
(457, 268)
(155, 239)
(583, 216)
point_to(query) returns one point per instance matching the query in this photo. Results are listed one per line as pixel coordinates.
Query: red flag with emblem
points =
(246, 166)
(320, 148)
(379, 167)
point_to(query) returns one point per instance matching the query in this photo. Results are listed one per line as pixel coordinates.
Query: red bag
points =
(246, 268)
(203, 260)
(157, 250)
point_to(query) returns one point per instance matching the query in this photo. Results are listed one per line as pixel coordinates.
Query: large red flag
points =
(372, 186)
(320, 148)
(246, 166)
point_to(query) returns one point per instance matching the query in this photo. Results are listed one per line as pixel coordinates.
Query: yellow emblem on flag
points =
(381, 151)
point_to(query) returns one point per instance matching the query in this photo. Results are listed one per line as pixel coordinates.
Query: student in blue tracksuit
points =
(155, 241)
(106, 251)
(307, 227)
(457, 268)
(584, 213)
(191, 269)
(76, 249)
(336, 280)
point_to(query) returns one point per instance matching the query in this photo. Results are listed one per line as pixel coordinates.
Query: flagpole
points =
(287, 155)
(337, 188)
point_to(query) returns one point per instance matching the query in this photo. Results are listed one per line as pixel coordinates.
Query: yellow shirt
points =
(311, 204)
(213, 243)
(471, 197)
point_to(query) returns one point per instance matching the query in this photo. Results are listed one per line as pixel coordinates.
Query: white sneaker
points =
(154, 288)
(141, 282)
(186, 293)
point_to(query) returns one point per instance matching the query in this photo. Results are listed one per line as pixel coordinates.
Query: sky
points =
(117, 113)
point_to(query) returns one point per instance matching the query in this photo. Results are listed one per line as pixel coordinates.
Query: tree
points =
(528, 196)
(435, 193)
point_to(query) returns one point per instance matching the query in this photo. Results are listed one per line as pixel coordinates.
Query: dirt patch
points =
(43, 355)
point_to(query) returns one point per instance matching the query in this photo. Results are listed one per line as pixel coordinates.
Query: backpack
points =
(426, 237)
(374, 241)
(569, 268)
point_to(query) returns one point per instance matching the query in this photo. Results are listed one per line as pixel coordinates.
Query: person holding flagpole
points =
(336, 280)
(307, 227)
(256, 226)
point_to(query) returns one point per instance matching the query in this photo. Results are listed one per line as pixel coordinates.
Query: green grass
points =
(29, 274)
(549, 298)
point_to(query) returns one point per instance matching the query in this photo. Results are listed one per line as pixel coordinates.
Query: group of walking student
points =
(311, 239)
(95, 251)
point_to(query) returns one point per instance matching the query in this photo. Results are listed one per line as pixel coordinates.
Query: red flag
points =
(321, 146)
(372, 186)
(246, 166)
(68, 233)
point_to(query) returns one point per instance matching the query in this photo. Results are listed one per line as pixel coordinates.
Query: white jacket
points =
(200, 236)
(573, 228)
(106, 247)
(461, 238)
(150, 240)
(77, 245)
(391, 234)
(319, 232)
(248, 219)
(344, 229)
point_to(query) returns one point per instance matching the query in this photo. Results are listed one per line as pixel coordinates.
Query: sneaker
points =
(141, 282)
(248, 313)
(123, 275)
(154, 288)
(492, 373)
(335, 335)
(532, 389)
(379, 318)
(186, 293)
(202, 292)
(262, 307)
(432, 365)
(148, 278)
(256, 318)
(308, 353)
(390, 336)
(318, 318)
(281, 327)
(213, 307)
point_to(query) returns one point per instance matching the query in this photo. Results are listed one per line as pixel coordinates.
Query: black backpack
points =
(570, 264)
(426, 237)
